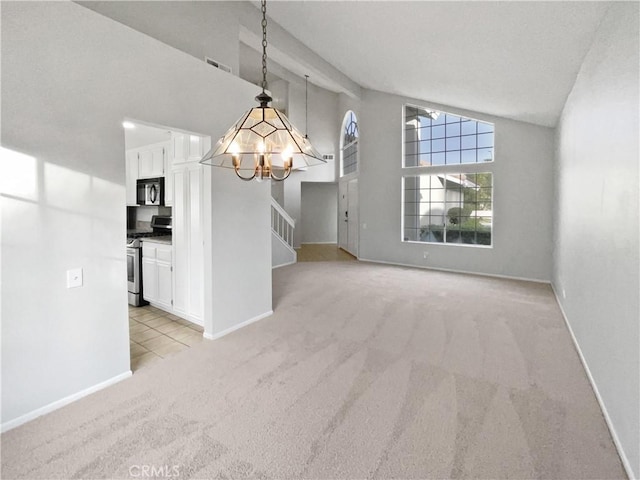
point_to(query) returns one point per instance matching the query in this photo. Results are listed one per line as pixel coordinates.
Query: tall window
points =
(448, 181)
(349, 141)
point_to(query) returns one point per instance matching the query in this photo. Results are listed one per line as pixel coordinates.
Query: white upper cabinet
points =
(188, 148)
(179, 148)
(148, 162)
(151, 161)
(195, 148)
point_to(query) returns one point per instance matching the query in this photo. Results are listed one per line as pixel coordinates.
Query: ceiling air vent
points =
(328, 158)
(219, 65)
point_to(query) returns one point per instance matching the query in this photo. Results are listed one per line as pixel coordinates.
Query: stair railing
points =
(281, 223)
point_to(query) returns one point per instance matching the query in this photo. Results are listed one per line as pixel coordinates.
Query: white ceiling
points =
(513, 59)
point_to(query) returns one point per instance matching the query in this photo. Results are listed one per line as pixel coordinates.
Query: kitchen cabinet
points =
(151, 161)
(131, 177)
(147, 162)
(187, 238)
(183, 149)
(157, 273)
(188, 148)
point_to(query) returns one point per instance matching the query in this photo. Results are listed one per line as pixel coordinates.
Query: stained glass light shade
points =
(264, 131)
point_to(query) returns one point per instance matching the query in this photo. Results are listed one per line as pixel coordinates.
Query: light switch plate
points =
(74, 278)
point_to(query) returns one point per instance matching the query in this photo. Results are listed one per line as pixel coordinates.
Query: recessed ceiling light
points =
(128, 125)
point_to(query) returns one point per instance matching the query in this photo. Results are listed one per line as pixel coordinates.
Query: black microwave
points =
(150, 191)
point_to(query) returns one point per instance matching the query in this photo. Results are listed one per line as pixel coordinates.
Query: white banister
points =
(281, 223)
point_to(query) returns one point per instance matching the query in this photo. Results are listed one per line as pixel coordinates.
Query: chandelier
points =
(263, 141)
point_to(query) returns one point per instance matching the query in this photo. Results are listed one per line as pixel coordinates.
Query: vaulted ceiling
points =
(513, 59)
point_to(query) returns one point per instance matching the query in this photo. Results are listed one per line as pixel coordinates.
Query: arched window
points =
(349, 144)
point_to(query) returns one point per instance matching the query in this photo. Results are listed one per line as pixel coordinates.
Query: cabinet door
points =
(195, 148)
(151, 161)
(150, 280)
(189, 148)
(179, 147)
(164, 284)
(145, 163)
(157, 161)
(131, 176)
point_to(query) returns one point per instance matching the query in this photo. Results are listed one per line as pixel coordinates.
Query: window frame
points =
(343, 146)
(457, 168)
(442, 112)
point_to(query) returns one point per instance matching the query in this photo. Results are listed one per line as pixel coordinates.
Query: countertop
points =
(165, 239)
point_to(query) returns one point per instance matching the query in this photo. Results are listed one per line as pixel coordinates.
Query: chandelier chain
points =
(264, 45)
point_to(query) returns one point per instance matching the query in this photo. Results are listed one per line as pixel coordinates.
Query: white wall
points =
(319, 212)
(523, 190)
(241, 246)
(198, 28)
(69, 78)
(323, 130)
(596, 223)
(277, 192)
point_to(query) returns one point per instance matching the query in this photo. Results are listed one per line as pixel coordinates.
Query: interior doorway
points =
(166, 226)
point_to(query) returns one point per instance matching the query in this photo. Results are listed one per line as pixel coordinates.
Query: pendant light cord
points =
(264, 45)
(306, 108)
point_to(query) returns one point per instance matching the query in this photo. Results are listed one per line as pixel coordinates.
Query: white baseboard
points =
(450, 270)
(616, 441)
(221, 334)
(284, 264)
(27, 417)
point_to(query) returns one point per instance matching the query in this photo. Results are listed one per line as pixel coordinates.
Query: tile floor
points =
(155, 334)
(315, 252)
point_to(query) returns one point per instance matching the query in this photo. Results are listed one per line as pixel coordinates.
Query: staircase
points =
(282, 226)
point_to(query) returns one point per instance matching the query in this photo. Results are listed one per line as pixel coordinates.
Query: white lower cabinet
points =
(165, 296)
(157, 274)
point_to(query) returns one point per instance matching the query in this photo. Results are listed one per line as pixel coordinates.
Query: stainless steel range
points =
(160, 227)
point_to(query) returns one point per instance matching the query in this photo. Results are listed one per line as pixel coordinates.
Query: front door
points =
(352, 217)
(343, 214)
(348, 216)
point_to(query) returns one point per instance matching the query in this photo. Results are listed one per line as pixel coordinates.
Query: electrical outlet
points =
(425, 255)
(564, 294)
(364, 226)
(74, 278)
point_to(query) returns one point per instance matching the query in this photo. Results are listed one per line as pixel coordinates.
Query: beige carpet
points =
(364, 371)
